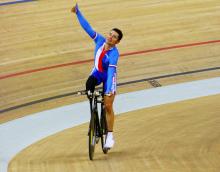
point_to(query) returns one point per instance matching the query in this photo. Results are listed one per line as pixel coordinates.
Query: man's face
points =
(112, 38)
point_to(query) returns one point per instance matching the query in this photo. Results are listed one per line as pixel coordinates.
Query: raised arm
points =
(83, 22)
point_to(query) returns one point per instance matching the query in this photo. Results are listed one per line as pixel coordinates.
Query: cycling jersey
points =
(105, 62)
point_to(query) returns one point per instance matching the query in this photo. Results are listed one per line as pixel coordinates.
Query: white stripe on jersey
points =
(113, 66)
(114, 84)
(97, 56)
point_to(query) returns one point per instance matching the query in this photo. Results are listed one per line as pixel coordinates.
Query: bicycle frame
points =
(98, 124)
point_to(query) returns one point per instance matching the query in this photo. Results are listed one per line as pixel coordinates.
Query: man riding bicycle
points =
(105, 68)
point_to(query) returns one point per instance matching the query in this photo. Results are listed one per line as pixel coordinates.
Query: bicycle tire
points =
(92, 136)
(103, 123)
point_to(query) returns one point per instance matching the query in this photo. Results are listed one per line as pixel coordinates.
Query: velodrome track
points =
(56, 120)
(171, 45)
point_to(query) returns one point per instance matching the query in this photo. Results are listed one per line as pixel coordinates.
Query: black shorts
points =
(91, 83)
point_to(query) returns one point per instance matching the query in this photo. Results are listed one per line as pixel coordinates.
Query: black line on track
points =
(119, 84)
(15, 2)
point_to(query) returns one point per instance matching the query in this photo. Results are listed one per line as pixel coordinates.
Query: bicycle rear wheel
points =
(104, 130)
(92, 136)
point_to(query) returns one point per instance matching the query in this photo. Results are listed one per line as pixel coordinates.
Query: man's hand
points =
(74, 9)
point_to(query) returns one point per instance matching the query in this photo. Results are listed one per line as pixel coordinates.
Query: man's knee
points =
(108, 107)
(109, 103)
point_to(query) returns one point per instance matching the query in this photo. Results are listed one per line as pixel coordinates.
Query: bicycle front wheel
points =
(92, 136)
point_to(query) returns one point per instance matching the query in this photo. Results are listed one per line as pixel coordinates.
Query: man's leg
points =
(108, 101)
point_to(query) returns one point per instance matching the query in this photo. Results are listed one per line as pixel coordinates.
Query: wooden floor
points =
(41, 40)
(181, 137)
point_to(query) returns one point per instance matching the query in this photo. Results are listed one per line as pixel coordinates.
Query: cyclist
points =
(105, 63)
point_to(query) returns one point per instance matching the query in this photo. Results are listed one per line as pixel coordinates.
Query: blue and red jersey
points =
(105, 62)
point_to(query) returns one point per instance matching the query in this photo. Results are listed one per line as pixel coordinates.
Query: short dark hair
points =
(120, 34)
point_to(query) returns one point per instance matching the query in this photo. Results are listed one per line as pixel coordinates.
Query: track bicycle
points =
(98, 123)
